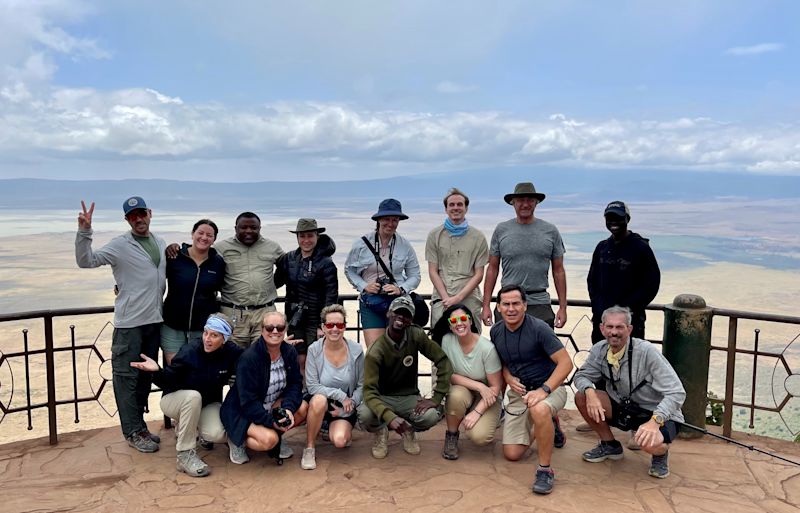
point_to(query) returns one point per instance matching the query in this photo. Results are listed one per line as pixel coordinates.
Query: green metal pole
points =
(687, 346)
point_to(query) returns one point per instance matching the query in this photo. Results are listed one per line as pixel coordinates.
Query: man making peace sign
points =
(139, 270)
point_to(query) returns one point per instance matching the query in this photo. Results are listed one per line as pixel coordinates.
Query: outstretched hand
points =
(85, 217)
(148, 365)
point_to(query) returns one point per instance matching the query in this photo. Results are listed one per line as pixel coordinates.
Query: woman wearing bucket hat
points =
(311, 283)
(364, 270)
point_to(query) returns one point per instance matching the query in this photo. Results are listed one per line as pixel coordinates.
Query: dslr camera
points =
(297, 315)
(383, 281)
(630, 415)
(281, 417)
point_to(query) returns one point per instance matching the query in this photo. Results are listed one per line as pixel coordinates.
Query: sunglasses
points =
(462, 318)
(269, 328)
(331, 325)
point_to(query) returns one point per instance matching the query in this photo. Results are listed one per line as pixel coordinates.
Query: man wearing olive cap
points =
(391, 397)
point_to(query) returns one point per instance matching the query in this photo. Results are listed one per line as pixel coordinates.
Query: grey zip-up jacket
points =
(662, 392)
(141, 284)
(355, 369)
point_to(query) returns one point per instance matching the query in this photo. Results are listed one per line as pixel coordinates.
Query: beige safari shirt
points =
(456, 258)
(249, 271)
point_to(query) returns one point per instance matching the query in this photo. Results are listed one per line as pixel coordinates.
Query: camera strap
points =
(378, 258)
(630, 373)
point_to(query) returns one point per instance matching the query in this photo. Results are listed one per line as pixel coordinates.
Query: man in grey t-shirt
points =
(526, 248)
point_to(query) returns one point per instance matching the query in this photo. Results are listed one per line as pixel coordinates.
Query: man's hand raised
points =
(85, 217)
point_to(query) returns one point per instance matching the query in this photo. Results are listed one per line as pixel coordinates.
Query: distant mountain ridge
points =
(567, 187)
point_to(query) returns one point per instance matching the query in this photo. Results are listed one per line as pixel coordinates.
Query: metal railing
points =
(576, 343)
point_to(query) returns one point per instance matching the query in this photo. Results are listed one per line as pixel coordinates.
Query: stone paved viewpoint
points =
(95, 471)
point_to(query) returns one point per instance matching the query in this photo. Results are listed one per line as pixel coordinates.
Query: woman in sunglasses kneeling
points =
(475, 385)
(335, 381)
(267, 399)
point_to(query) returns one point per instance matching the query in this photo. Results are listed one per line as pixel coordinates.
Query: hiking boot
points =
(659, 466)
(632, 445)
(309, 460)
(544, 481)
(381, 446)
(286, 452)
(142, 443)
(559, 437)
(237, 453)
(604, 451)
(583, 427)
(205, 444)
(450, 451)
(410, 444)
(190, 463)
(152, 436)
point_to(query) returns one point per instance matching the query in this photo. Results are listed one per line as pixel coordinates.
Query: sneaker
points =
(381, 446)
(309, 460)
(324, 430)
(583, 427)
(559, 437)
(286, 452)
(544, 481)
(632, 445)
(659, 466)
(410, 444)
(190, 463)
(237, 453)
(604, 451)
(450, 451)
(205, 444)
(142, 443)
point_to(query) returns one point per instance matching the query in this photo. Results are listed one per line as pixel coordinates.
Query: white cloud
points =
(448, 87)
(740, 51)
(133, 124)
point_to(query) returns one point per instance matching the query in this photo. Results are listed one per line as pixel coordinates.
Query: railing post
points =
(51, 378)
(687, 346)
(727, 415)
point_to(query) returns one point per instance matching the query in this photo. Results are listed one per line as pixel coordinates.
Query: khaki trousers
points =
(461, 400)
(186, 406)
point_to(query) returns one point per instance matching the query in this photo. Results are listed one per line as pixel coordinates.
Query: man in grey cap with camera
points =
(136, 260)
(391, 397)
(527, 248)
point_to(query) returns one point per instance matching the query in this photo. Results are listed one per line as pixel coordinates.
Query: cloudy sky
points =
(263, 90)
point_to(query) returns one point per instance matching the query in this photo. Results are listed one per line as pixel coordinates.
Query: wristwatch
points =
(546, 388)
(658, 419)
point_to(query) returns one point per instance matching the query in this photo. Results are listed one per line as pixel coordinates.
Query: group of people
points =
(218, 326)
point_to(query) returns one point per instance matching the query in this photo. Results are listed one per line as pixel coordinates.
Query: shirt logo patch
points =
(408, 361)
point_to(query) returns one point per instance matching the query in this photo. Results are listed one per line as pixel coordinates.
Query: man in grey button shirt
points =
(527, 248)
(249, 289)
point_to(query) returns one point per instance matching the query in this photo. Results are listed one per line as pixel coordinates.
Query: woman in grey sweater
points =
(335, 379)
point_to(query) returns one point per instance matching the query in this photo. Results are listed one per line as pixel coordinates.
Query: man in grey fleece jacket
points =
(641, 392)
(136, 260)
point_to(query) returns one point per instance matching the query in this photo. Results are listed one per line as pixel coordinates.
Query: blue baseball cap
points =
(133, 203)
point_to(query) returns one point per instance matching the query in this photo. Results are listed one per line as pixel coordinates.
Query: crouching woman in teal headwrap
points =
(192, 385)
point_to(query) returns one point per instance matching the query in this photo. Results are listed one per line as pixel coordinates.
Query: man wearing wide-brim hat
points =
(527, 248)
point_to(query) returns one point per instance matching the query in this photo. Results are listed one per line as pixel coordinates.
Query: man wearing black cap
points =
(139, 271)
(391, 396)
(527, 248)
(624, 272)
